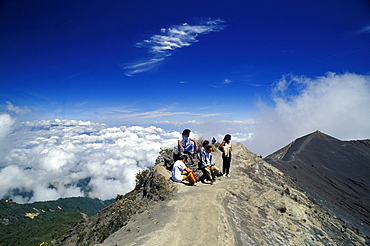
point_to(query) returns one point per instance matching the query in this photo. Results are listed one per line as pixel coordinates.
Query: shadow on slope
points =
(334, 172)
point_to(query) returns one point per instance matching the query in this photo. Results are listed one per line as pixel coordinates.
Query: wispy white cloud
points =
(143, 66)
(365, 29)
(179, 36)
(224, 83)
(17, 110)
(255, 85)
(210, 115)
(170, 39)
(163, 113)
(153, 114)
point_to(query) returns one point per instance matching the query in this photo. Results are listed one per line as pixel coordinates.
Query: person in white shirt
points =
(187, 144)
(180, 172)
(207, 164)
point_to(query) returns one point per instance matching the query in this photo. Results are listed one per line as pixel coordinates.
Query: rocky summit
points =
(257, 205)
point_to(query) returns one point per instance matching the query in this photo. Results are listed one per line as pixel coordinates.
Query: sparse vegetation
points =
(140, 177)
(164, 152)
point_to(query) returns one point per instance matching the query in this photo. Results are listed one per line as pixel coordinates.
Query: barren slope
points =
(336, 173)
(256, 206)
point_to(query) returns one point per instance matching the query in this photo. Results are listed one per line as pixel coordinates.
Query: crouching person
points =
(186, 144)
(180, 172)
(207, 164)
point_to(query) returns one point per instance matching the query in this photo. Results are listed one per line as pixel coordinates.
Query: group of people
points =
(188, 145)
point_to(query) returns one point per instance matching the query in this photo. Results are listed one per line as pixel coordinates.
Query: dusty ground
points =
(174, 223)
(255, 206)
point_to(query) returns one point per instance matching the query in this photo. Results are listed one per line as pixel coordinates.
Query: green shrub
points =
(140, 178)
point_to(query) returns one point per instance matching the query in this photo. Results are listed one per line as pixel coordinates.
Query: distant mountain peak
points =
(288, 152)
(332, 171)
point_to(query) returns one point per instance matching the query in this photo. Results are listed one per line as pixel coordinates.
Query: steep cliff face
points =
(257, 205)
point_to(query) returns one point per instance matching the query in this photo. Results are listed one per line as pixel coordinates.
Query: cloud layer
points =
(62, 158)
(338, 105)
(52, 159)
(169, 40)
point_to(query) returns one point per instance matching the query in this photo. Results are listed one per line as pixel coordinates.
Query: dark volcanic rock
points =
(335, 173)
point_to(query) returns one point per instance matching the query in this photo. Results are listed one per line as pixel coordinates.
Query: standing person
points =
(187, 144)
(226, 149)
(207, 164)
(180, 172)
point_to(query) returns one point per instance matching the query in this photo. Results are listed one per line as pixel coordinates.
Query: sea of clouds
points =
(51, 159)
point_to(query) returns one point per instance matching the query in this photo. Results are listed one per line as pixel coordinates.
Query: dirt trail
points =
(193, 215)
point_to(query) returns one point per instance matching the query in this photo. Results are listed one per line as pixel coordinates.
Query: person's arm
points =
(222, 144)
(180, 145)
(203, 160)
(196, 145)
(212, 162)
(184, 168)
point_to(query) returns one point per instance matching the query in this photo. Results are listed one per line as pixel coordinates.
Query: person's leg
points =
(179, 151)
(190, 148)
(224, 165)
(216, 171)
(208, 174)
(190, 177)
(227, 163)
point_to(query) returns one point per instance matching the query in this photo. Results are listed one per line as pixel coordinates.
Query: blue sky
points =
(129, 62)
